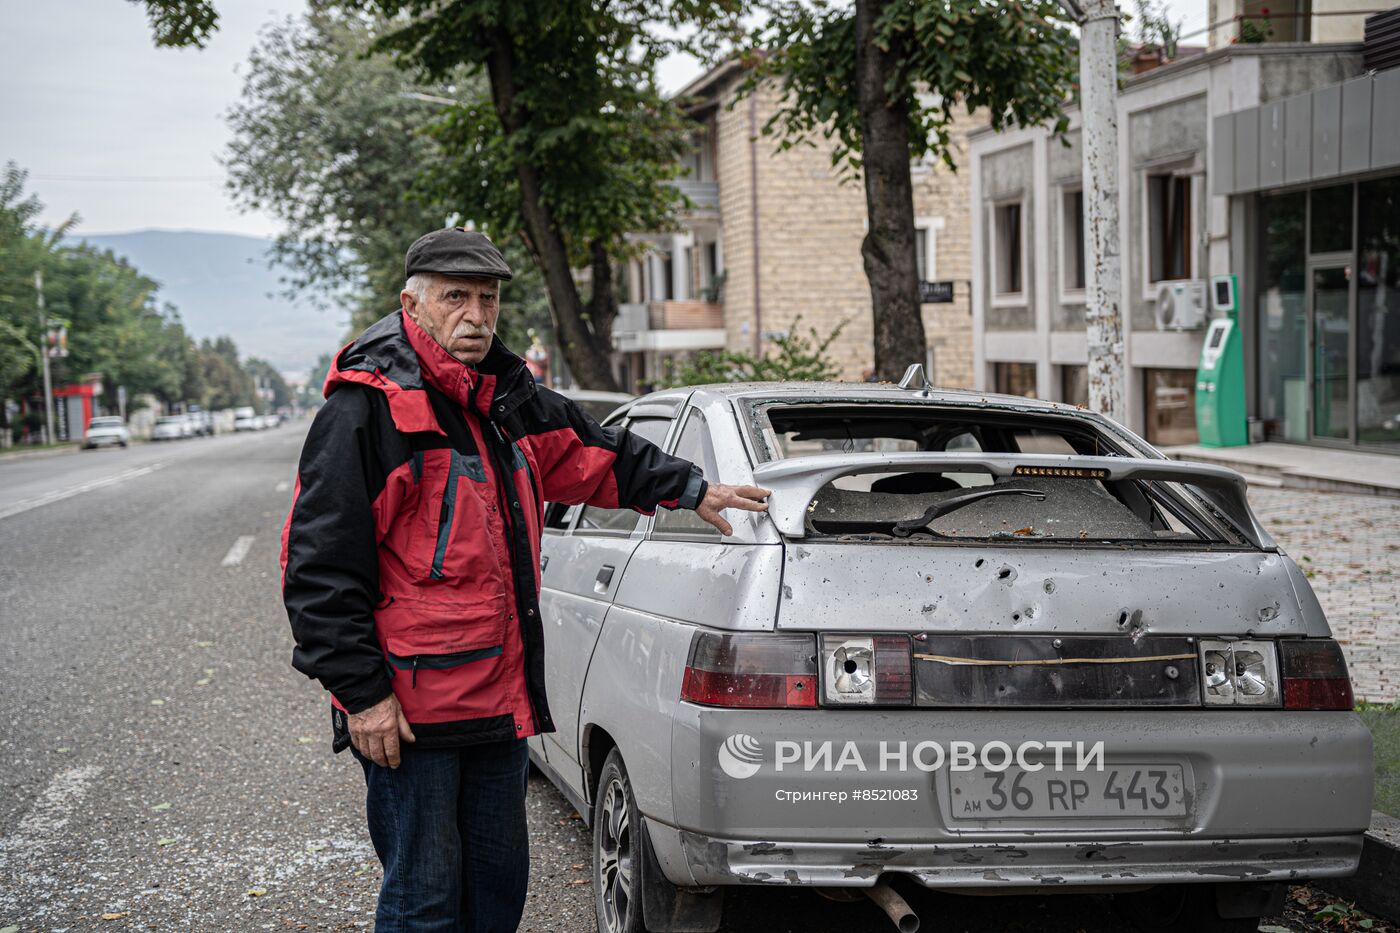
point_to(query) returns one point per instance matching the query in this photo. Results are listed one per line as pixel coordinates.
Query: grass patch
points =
(1384, 723)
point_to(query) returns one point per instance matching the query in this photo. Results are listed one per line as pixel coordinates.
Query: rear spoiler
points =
(794, 482)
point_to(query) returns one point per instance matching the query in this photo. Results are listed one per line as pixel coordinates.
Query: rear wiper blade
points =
(938, 509)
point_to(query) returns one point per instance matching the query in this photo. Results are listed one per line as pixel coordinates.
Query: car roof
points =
(869, 392)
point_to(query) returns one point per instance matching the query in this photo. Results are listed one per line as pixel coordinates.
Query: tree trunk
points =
(588, 356)
(888, 249)
(602, 303)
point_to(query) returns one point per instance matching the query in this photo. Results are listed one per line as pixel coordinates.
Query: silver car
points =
(985, 644)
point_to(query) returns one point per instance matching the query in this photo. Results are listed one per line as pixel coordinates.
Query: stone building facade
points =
(775, 240)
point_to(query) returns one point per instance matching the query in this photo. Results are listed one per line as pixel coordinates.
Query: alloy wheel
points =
(615, 857)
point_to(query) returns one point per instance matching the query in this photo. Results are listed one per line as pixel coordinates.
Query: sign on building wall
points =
(935, 293)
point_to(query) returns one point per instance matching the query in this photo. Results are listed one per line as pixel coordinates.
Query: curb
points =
(12, 455)
(1374, 887)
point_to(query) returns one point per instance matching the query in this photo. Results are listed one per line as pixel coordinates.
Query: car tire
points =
(617, 855)
(1179, 907)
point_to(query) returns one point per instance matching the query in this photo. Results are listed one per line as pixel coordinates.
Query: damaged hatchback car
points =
(985, 644)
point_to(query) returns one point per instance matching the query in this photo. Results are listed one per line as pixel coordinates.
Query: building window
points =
(1378, 314)
(1074, 385)
(1171, 406)
(1168, 227)
(668, 280)
(1014, 379)
(926, 246)
(1008, 251)
(1330, 229)
(1072, 240)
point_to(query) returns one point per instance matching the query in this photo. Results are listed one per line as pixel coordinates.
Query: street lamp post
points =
(1098, 106)
(49, 437)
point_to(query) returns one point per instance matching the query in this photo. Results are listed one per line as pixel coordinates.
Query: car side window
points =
(692, 446)
(623, 520)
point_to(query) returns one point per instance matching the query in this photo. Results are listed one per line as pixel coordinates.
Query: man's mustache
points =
(472, 330)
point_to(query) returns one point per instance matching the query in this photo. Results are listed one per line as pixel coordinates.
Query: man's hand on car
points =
(719, 497)
(376, 732)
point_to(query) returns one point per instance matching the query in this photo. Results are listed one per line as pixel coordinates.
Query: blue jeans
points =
(448, 826)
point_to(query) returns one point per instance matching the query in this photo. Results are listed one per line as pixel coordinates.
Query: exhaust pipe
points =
(894, 906)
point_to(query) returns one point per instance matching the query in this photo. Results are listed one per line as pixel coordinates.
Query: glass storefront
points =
(1328, 315)
(1378, 313)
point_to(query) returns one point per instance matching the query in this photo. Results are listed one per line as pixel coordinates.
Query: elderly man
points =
(410, 569)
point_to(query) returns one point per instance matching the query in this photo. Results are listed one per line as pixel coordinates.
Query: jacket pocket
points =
(438, 662)
(448, 625)
(461, 465)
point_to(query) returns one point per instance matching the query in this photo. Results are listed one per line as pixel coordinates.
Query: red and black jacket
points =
(410, 559)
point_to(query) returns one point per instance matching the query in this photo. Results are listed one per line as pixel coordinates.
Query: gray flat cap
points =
(456, 251)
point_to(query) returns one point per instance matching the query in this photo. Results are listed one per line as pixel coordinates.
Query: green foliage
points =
(793, 357)
(267, 379)
(115, 326)
(332, 140)
(594, 126)
(1384, 722)
(181, 23)
(1016, 60)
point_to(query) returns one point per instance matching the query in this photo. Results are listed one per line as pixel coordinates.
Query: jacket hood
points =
(398, 357)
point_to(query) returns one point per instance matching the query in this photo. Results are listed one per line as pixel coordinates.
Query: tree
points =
(573, 149)
(881, 80)
(268, 379)
(331, 139)
(181, 23)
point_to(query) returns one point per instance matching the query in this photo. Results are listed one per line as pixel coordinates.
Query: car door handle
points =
(544, 562)
(604, 579)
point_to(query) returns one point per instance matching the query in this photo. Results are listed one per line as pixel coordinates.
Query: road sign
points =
(935, 293)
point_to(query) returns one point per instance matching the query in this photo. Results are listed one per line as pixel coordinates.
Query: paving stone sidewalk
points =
(1350, 548)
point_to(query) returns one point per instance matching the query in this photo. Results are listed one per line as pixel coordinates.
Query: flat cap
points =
(456, 251)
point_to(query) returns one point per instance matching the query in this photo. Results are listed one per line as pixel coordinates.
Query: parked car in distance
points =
(105, 431)
(598, 404)
(248, 422)
(939, 569)
(171, 428)
(201, 421)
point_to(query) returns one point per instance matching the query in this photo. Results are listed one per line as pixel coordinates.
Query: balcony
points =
(704, 195)
(685, 315)
(669, 326)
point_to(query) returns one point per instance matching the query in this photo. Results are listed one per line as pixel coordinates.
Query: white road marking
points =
(235, 554)
(283, 486)
(48, 815)
(58, 495)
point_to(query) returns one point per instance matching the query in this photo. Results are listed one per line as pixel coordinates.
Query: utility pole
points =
(49, 437)
(1098, 107)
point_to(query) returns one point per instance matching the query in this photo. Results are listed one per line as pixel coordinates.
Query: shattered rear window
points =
(972, 505)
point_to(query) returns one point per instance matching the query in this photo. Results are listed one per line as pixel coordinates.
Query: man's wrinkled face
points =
(458, 312)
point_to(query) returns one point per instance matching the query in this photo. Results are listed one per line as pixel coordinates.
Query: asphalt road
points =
(162, 767)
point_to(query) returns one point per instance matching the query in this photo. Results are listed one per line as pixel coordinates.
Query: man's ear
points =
(410, 304)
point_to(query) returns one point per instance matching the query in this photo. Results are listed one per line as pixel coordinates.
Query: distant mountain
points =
(222, 284)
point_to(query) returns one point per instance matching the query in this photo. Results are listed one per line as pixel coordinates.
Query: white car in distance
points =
(106, 431)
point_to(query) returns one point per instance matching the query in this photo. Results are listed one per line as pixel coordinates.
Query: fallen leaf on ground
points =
(305, 740)
(161, 806)
(256, 892)
(204, 644)
(582, 881)
(315, 847)
(202, 682)
(64, 750)
(167, 841)
(578, 867)
(111, 915)
(9, 929)
(157, 702)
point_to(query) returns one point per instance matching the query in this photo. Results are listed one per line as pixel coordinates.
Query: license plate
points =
(1119, 790)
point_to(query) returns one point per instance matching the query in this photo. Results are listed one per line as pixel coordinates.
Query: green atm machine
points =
(1220, 415)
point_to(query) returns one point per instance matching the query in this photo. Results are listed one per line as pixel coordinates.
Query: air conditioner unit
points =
(1181, 305)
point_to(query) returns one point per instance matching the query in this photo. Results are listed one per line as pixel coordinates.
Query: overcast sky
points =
(128, 135)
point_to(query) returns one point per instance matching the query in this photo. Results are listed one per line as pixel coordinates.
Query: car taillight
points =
(866, 670)
(758, 670)
(1243, 672)
(1315, 675)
